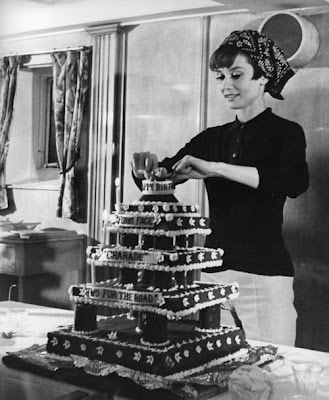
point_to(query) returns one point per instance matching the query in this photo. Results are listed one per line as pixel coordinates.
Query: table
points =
(20, 385)
(284, 387)
(58, 256)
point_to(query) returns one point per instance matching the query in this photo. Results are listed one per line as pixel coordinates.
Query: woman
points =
(249, 166)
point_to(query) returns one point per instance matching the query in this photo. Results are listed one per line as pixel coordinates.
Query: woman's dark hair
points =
(225, 56)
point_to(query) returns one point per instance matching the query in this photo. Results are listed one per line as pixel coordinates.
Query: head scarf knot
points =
(269, 57)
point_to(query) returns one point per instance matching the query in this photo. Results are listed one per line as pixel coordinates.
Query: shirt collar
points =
(260, 117)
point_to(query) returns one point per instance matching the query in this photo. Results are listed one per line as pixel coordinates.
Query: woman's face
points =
(237, 86)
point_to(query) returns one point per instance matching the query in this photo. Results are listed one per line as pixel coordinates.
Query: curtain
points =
(9, 69)
(70, 85)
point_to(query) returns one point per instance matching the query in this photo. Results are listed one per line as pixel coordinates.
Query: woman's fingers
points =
(161, 172)
(183, 163)
(151, 164)
(191, 168)
(135, 162)
(143, 160)
(144, 164)
(184, 170)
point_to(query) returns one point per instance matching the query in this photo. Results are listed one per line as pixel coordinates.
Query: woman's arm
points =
(190, 167)
(246, 175)
(145, 165)
(289, 176)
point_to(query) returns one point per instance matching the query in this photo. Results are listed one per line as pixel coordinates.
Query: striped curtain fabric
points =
(70, 86)
(9, 69)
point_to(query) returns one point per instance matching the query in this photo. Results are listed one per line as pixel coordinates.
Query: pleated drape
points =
(9, 69)
(70, 86)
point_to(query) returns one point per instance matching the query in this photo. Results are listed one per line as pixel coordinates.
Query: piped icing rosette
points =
(157, 207)
(118, 349)
(158, 224)
(180, 259)
(157, 213)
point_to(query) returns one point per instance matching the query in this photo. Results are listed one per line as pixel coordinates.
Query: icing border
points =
(177, 303)
(178, 260)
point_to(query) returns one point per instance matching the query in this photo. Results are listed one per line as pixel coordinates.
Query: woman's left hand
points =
(190, 167)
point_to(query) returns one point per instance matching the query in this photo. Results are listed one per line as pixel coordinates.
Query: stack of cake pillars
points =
(126, 275)
(153, 326)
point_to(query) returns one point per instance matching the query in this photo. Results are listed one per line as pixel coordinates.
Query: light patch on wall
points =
(322, 129)
(37, 61)
(149, 117)
(181, 87)
(53, 1)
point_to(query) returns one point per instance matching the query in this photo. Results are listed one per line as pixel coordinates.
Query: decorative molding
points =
(41, 34)
(104, 29)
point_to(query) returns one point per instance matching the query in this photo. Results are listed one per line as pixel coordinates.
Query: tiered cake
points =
(157, 262)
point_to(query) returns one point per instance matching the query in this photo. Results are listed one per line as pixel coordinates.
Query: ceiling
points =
(21, 17)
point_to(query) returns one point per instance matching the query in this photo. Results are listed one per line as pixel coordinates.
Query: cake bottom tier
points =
(118, 342)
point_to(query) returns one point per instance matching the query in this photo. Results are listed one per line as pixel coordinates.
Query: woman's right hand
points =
(144, 165)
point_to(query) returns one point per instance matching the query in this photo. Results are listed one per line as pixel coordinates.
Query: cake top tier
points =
(156, 188)
(158, 213)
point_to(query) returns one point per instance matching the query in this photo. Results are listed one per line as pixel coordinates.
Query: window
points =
(32, 158)
(51, 153)
(43, 116)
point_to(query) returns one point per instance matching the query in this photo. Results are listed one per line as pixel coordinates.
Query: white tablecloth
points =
(284, 387)
(43, 319)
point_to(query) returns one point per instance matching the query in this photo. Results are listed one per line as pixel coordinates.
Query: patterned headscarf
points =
(269, 57)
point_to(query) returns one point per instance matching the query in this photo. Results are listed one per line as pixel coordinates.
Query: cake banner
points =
(157, 187)
(135, 256)
(117, 295)
(137, 220)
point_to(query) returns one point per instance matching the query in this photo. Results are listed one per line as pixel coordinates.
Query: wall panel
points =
(163, 91)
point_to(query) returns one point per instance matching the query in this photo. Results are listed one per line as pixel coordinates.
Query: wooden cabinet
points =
(45, 265)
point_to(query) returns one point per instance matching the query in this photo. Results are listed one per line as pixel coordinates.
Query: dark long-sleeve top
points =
(247, 222)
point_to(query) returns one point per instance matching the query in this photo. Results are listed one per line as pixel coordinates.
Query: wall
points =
(307, 227)
(163, 89)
